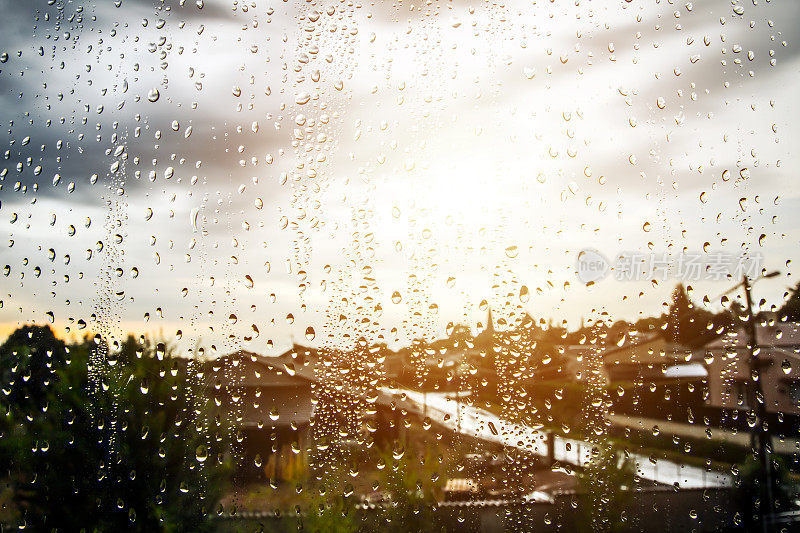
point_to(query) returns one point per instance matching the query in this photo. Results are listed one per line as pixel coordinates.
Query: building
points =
(268, 401)
(651, 358)
(272, 403)
(729, 375)
(579, 362)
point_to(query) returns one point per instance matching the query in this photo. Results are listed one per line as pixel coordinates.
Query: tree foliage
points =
(691, 325)
(411, 483)
(97, 439)
(607, 483)
(790, 311)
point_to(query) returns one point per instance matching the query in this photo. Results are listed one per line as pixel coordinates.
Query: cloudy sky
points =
(246, 173)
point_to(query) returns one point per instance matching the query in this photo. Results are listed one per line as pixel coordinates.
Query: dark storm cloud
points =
(60, 117)
(77, 160)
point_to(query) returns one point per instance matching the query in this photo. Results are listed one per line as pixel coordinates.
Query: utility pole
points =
(760, 435)
(458, 409)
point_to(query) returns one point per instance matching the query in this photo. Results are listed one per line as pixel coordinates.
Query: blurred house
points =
(576, 362)
(269, 403)
(729, 375)
(460, 489)
(651, 358)
(272, 402)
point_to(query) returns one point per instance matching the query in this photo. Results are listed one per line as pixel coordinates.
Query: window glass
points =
(408, 266)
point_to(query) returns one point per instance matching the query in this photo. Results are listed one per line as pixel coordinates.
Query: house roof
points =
(263, 391)
(288, 383)
(249, 369)
(649, 349)
(783, 335)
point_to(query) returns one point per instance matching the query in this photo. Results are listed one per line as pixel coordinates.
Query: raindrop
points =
(201, 453)
(524, 294)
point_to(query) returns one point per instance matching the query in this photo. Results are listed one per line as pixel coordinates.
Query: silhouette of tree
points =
(690, 325)
(790, 311)
(27, 360)
(120, 442)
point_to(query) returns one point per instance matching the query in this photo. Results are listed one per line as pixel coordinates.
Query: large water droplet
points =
(201, 453)
(524, 294)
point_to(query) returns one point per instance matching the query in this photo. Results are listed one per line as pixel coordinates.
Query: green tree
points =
(606, 483)
(28, 359)
(121, 441)
(410, 483)
(332, 515)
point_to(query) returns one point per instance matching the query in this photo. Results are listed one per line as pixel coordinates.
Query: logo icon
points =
(591, 266)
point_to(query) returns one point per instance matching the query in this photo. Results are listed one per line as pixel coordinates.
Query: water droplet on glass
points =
(524, 294)
(201, 453)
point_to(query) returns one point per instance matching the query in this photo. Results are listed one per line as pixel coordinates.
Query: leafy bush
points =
(107, 440)
(607, 484)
